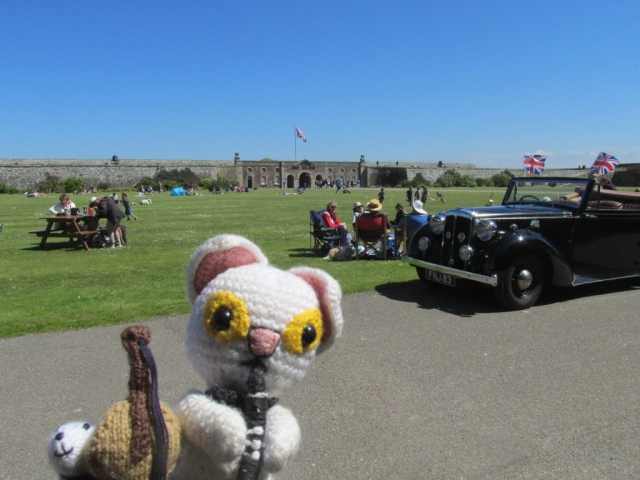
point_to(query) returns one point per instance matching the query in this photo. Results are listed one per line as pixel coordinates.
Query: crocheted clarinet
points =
(252, 334)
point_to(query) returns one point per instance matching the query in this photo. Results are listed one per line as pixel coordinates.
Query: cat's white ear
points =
(329, 297)
(217, 255)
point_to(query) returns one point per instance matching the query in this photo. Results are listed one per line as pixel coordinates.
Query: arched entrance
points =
(249, 182)
(305, 180)
(290, 181)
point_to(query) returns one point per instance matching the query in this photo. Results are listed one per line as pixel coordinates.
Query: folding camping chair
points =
(321, 238)
(371, 232)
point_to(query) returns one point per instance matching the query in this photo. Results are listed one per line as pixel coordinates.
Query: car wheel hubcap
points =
(525, 279)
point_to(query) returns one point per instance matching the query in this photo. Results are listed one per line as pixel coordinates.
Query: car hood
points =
(507, 211)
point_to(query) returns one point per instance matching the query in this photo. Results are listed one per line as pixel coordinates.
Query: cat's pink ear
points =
(217, 255)
(329, 296)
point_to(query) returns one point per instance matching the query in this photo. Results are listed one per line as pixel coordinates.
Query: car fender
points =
(513, 244)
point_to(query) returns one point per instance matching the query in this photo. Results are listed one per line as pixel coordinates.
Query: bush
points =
(207, 183)
(482, 182)
(181, 177)
(419, 180)
(146, 181)
(466, 181)
(72, 184)
(6, 189)
(500, 180)
(450, 178)
(50, 184)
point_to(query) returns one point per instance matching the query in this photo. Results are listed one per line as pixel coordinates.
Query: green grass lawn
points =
(61, 288)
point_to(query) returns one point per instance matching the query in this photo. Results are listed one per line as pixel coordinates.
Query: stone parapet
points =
(27, 173)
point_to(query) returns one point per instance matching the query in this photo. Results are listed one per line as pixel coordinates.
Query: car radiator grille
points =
(453, 226)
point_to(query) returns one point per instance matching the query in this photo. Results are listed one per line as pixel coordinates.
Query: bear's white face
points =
(66, 448)
(254, 313)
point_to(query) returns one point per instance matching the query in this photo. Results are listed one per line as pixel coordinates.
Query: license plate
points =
(442, 278)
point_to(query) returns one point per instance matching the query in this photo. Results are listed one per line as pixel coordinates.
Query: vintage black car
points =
(547, 231)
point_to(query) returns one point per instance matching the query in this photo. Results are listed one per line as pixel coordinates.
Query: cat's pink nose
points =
(263, 342)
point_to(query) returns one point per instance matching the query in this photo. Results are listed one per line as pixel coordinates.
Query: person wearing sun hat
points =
(374, 205)
(417, 208)
(358, 209)
(106, 208)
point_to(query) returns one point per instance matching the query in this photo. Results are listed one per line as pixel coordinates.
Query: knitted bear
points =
(252, 333)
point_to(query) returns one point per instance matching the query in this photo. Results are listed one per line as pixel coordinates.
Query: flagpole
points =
(295, 144)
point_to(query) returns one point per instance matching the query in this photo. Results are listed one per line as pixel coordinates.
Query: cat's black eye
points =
(222, 319)
(308, 335)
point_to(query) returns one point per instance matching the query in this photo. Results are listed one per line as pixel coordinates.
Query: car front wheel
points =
(520, 285)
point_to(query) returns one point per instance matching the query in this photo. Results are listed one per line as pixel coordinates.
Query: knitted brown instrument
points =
(139, 438)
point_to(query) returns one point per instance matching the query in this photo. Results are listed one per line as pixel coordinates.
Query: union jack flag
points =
(534, 164)
(603, 164)
(299, 134)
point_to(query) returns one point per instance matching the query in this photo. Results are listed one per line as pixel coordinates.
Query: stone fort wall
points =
(26, 173)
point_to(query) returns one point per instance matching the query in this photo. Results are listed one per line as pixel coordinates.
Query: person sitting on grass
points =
(105, 208)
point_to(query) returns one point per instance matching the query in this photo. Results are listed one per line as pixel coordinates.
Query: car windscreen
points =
(545, 191)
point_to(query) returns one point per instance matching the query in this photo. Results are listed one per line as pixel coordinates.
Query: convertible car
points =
(547, 231)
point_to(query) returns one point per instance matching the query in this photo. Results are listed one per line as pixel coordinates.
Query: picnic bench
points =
(68, 227)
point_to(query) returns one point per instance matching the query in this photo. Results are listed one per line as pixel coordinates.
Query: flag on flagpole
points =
(534, 164)
(604, 164)
(299, 134)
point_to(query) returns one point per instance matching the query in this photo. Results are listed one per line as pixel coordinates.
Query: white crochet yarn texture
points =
(272, 301)
(66, 448)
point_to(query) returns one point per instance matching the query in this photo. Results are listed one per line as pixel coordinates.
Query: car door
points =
(606, 242)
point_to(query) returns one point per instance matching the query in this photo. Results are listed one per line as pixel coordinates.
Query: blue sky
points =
(479, 82)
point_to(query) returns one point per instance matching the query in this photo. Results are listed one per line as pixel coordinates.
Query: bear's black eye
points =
(308, 335)
(222, 319)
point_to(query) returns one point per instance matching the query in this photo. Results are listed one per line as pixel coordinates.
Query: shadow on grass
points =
(304, 253)
(470, 299)
(54, 246)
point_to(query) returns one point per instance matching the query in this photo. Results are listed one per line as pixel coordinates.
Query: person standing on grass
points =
(105, 208)
(381, 196)
(127, 207)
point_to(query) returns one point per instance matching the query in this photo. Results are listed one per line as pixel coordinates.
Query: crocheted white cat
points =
(253, 332)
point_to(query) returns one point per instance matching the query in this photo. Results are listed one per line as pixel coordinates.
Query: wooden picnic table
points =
(68, 227)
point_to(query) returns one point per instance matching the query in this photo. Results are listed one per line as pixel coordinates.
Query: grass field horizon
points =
(61, 288)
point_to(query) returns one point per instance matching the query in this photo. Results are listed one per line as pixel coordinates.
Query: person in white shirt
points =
(65, 204)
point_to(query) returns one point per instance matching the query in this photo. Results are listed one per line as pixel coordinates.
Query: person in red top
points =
(331, 220)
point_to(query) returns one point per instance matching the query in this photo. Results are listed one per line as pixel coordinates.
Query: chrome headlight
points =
(485, 229)
(437, 224)
(465, 252)
(423, 243)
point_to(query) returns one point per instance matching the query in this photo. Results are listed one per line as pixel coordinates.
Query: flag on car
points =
(604, 164)
(299, 134)
(534, 164)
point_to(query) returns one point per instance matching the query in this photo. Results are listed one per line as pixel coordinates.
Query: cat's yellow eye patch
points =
(226, 317)
(304, 332)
